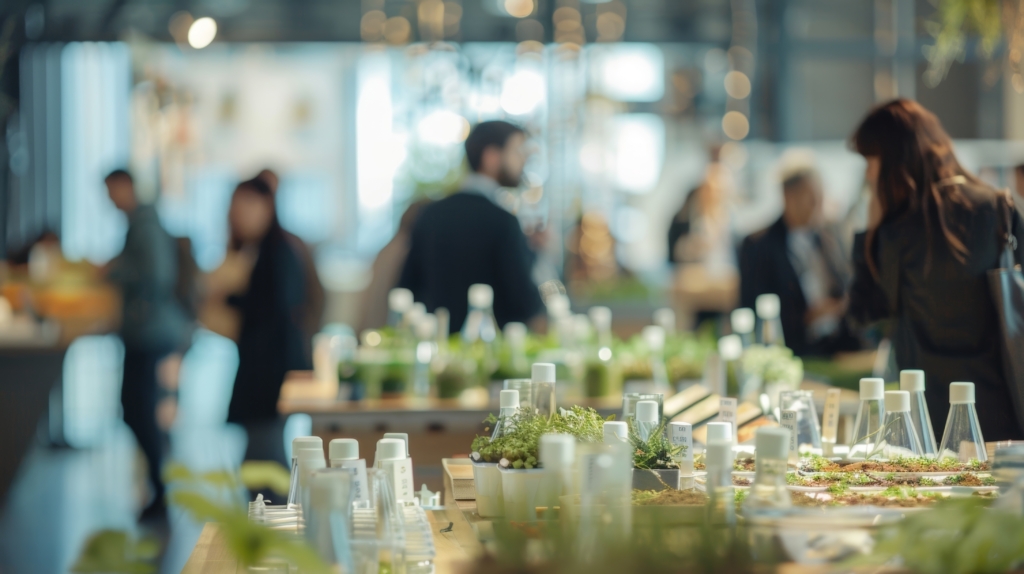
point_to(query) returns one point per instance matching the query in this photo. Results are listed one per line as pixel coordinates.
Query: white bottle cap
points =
(772, 442)
(309, 453)
(601, 317)
(557, 450)
(718, 454)
(344, 449)
(481, 295)
(768, 306)
(390, 449)
(306, 442)
(730, 347)
(961, 393)
(508, 399)
(720, 432)
(647, 412)
(558, 306)
(742, 320)
(515, 331)
(615, 430)
(654, 336)
(426, 327)
(665, 318)
(912, 380)
(402, 436)
(897, 401)
(872, 389)
(400, 300)
(543, 373)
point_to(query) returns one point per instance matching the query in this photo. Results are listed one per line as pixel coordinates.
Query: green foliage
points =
(520, 445)
(260, 475)
(774, 364)
(655, 453)
(957, 536)
(952, 22)
(115, 551)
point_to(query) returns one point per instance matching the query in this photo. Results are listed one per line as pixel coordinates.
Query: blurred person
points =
(154, 327)
(1018, 187)
(387, 269)
(931, 239)
(801, 261)
(468, 238)
(701, 231)
(276, 310)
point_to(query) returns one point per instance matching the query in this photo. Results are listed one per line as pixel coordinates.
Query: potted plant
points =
(655, 465)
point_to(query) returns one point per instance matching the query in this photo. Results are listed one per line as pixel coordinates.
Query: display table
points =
(454, 549)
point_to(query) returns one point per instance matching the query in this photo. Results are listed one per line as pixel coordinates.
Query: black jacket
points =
(765, 267)
(945, 319)
(273, 338)
(465, 239)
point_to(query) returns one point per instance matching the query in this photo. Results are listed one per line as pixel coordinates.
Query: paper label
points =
(727, 413)
(401, 477)
(789, 422)
(681, 434)
(830, 416)
(360, 489)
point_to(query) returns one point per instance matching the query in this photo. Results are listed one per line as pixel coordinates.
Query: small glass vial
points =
(646, 419)
(868, 424)
(298, 443)
(743, 321)
(616, 432)
(962, 438)
(769, 307)
(719, 459)
(912, 381)
(772, 450)
(654, 337)
(508, 401)
(899, 435)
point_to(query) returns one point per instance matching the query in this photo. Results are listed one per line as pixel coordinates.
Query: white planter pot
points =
(490, 502)
(523, 490)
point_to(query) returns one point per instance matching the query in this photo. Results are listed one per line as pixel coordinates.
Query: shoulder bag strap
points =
(1006, 238)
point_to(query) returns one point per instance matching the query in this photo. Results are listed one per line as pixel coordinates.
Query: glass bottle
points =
(598, 370)
(768, 308)
(743, 321)
(654, 337)
(302, 442)
(646, 420)
(718, 460)
(544, 377)
(481, 327)
(557, 452)
(508, 401)
(912, 381)
(808, 428)
(899, 436)
(426, 350)
(730, 350)
(868, 424)
(769, 489)
(399, 302)
(515, 339)
(962, 438)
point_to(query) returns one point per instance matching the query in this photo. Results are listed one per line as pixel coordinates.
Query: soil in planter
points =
(900, 465)
(669, 498)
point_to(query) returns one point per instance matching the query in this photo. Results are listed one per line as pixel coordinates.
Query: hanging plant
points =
(954, 20)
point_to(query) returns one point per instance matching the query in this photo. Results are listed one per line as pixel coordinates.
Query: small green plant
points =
(518, 448)
(115, 551)
(655, 453)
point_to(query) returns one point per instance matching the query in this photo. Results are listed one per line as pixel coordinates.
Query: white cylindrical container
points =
(392, 459)
(344, 453)
(616, 431)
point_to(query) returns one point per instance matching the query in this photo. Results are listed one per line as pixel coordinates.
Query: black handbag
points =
(1007, 285)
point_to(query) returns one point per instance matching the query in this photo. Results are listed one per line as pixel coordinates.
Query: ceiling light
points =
(202, 32)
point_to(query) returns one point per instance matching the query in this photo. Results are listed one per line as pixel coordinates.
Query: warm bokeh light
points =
(735, 125)
(610, 27)
(202, 32)
(396, 30)
(519, 8)
(371, 27)
(443, 128)
(178, 26)
(737, 85)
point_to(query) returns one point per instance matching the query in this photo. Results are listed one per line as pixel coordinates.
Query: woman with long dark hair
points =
(933, 233)
(277, 312)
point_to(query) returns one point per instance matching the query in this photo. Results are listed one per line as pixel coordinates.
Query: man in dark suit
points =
(797, 259)
(468, 238)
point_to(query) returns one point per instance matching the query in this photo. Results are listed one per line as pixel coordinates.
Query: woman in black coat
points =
(933, 233)
(276, 314)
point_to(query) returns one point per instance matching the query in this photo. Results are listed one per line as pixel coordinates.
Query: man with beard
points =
(468, 238)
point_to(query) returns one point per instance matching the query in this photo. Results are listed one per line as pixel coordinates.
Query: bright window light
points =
(442, 128)
(630, 72)
(522, 92)
(639, 141)
(375, 159)
(202, 32)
